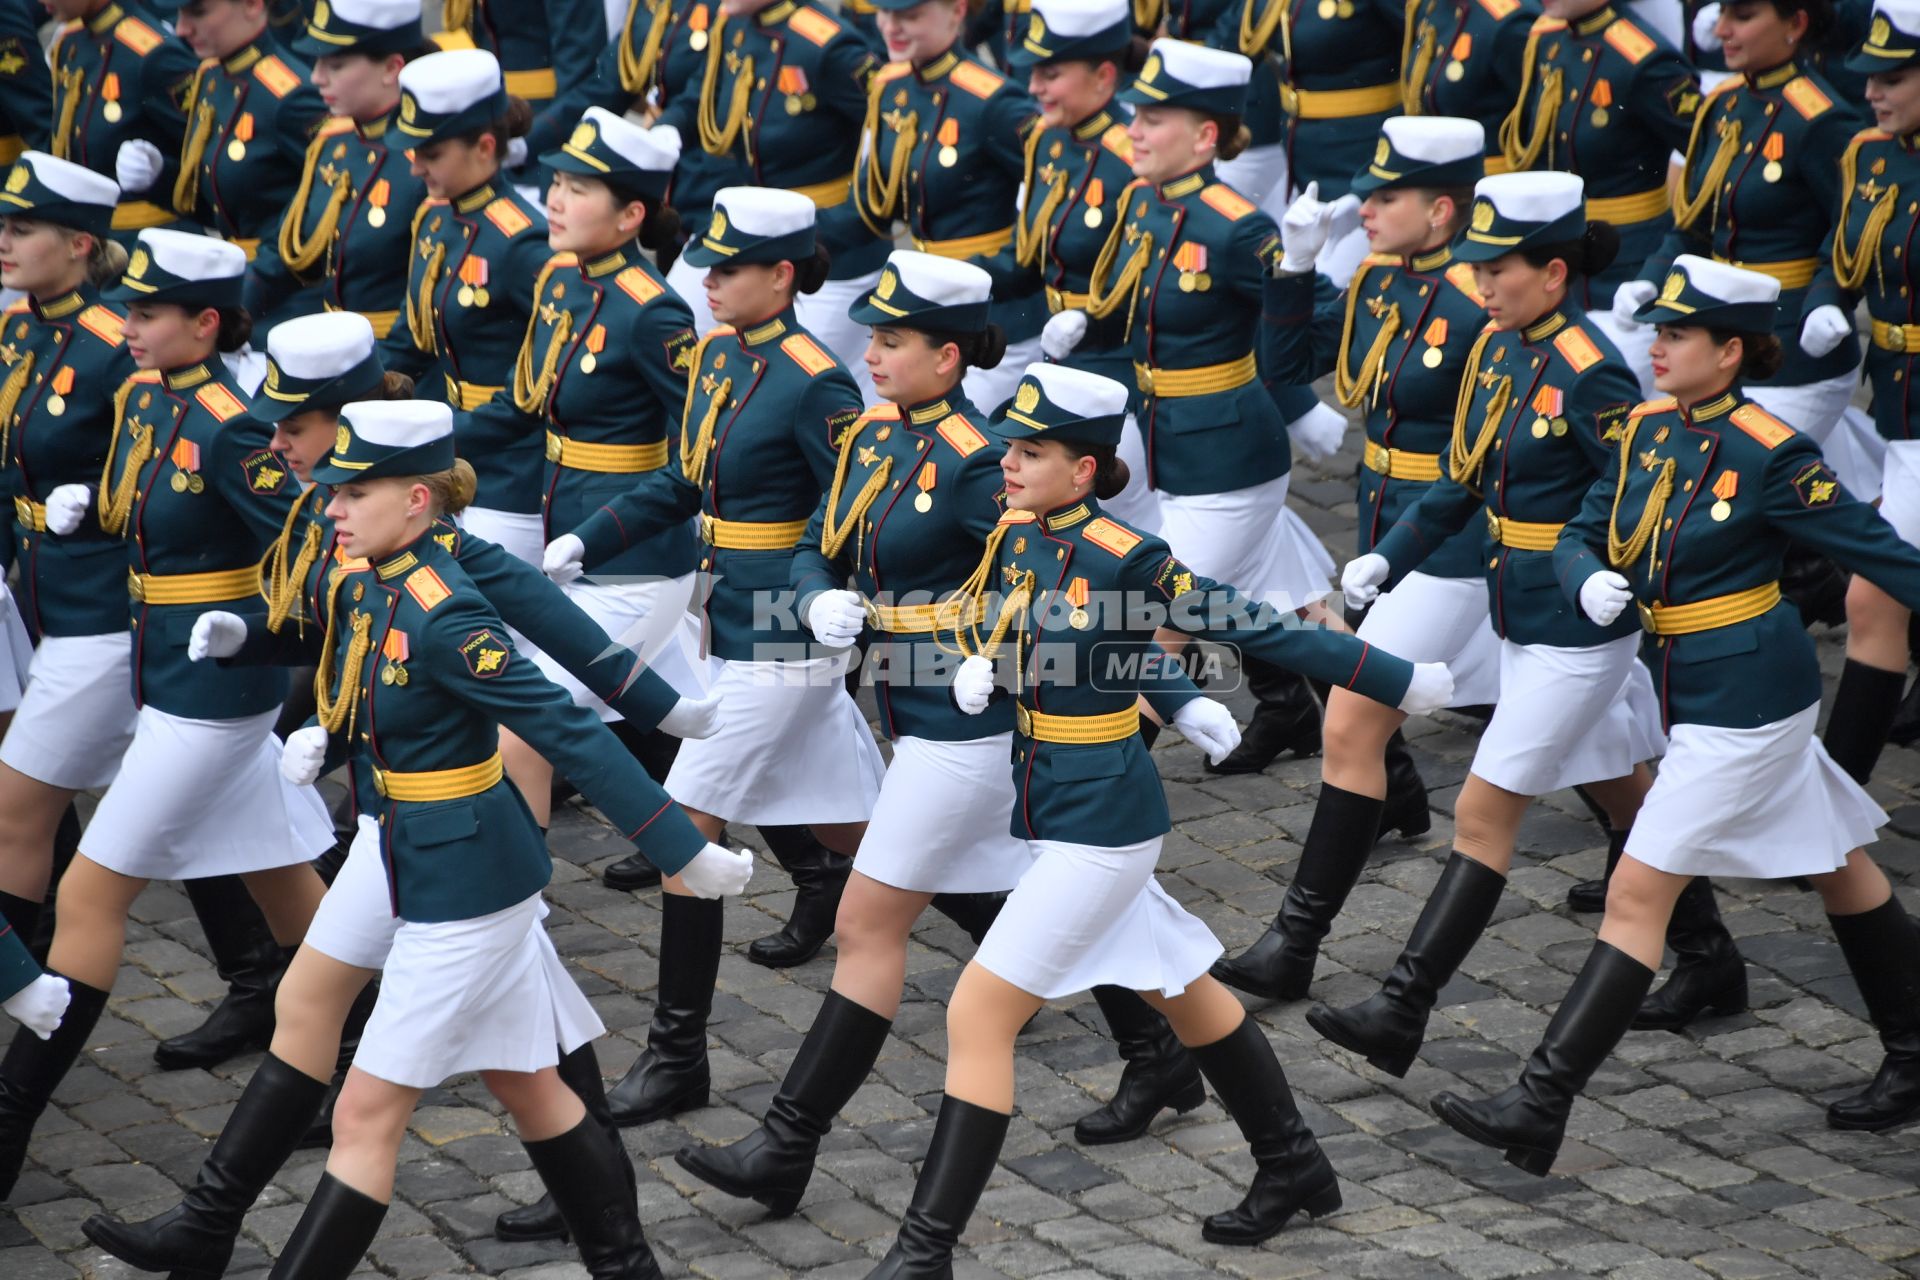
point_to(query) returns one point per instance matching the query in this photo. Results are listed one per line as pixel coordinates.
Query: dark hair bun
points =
(1112, 477)
(1598, 248)
(810, 273)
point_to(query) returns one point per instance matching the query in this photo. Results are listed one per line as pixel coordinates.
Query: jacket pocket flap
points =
(1081, 764)
(440, 824)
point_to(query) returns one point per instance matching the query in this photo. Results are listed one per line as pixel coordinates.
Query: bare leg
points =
(288, 897)
(874, 923)
(30, 812)
(311, 1009)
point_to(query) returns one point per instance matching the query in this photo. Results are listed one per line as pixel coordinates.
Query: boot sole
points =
(786, 960)
(1533, 1160)
(1874, 1126)
(1726, 1006)
(1318, 1205)
(143, 1262)
(509, 1235)
(1232, 977)
(1395, 1063)
(1186, 1101)
(778, 1204)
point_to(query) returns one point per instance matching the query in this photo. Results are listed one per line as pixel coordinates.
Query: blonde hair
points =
(106, 258)
(452, 489)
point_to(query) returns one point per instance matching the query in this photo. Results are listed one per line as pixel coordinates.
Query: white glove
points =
(516, 152)
(1063, 333)
(693, 718)
(1208, 726)
(136, 166)
(1603, 596)
(216, 635)
(40, 1004)
(1304, 230)
(1318, 435)
(1629, 298)
(1704, 22)
(1345, 217)
(1360, 580)
(1825, 329)
(973, 685)
(1430, 690)
(302, 755)
(66, 506)
(835, 618)
(717, 873)
(564, 559)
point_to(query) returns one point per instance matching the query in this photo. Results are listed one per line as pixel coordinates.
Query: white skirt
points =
(1429, 619)
(1569, 716)
(76, 718)
(824, 315)
(685, 279)
(1136, 505)
(16, 655)
(488, 994)
(1846, 436)
(990, 388)
(652, 619)
(1259, 174)
(1249, 539)
(1084, 916)
(1765, 803)
(940, 825)
(1634, 340)
(355, 923)
(1900, 488)
(522, 535)
(792, 748)
(200, 798)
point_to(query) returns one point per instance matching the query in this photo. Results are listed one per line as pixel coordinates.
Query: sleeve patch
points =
(485, 653)
(1629, 41)
(807, 354)
(137, 36)
(1500, 9)
(219, 401)
(1227, 202)
(1460, 276)
(838, 424)
(962, 435)
(265, 472)
(1174, 579)
(976, 79)
(811, 24)
(277, 76)
(508, 216)
(1578, 349)
(1816, 485)
(102, 324)
(1805, 97)
(1761, 425)
(1612, 420)
(1108, 536)
(638, 285)
(426, 588)
(680, 348)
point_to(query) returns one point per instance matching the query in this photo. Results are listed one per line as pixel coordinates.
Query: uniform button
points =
(1423, 290)
(1704, 444)
(1498, 443)
(1494, 563)
(1667, 523)
(1687, 487)
(707, 563)
(1372, 494)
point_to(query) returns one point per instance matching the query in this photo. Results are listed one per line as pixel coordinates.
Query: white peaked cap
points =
(321, 346)
(451, 81)
(943, 281)
(399, 424)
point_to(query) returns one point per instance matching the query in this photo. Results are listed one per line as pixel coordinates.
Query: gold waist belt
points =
(614, 459)
(470, 395)
(1705, 615)
(830, 194)
(138, 215)
(1620, 210)
(533, 83)
(1059, 300)
(1522, 535)
(751, 535)
(194, 588)
(1115, 726)
(1204, 381)
(980, 246)
(31, 514)
(382, 321)
(921, 619)
(1339, 104)
(1399, 464)
(440, 784)
(1897, 337)
(1797, 273)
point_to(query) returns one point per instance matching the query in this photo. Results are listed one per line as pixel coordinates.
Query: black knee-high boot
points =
(1709, 975)
(542, 1220)
(332, 1236)
(819, 876)
(1883, 950)
(21, 916)
(966, 1145)
(672, 1075)
(194, 1239)
(1160, 1073)
(1864, 704)
(973, 912)
(590, 1178)
(1529, 1119)
(1389, 1027)
(655, 751)
(1590, 896)
(249, 961)
(33, 1069)
(774, 1163)
(66, 843)
(1406, 811)
(1286, 719)
(1293, 1173)
(1279, 965)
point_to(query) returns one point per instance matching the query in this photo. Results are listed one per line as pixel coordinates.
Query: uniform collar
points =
(1068, 516)
(1090, 129)
(60, 307)
(374, 128)
(186, 377)
(928, 72)
(1545, 327)
(779, 326)
(606, 264)
(928, 412)
(775, 14)
(1774, 78)
(1187, 184)
(1717, 405)
(478, 198)
(1594, 23)
(237, 63)
(395, 565)
(106, 20)
(1432, 259)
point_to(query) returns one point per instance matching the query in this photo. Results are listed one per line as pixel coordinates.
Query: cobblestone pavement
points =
(1698, 1154)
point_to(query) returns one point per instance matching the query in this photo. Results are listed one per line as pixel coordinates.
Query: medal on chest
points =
(110, 109)
(924, 480)
(1095, 197)
(1602, 99)
(242, 135)
(58, 390)
(474, 272)
(1549, 403)
(1774, 149)
(1436, 339)
(1457, 65)
(1724, 490)
(1191, 259)
(596, 343)
(1077, 595)
(186, 462)
(394, 650)
(378, 197)
(949, 139)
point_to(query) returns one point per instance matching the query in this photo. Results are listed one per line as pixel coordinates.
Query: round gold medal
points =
(698, 41)
(589, 362)
(465, 296)
(1079, 620)
(1095, 217)
(56, 404)
(1540, 428)
(179, 482)
(376, 217)
(949, 157)
(1599, 117)
(1456, 71)
(1772, 172)
(481, 297)
(1721, 509)
(112, 112)
(923, 503)
(1432, 358)
(236, 151)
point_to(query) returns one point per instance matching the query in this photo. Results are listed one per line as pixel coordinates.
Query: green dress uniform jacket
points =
(1396, 341)
(1869, 254)
(62, 356)
(347, 227)
(191, 483)
(17, 968)
(545, 47)
(1068, 590)
(117, 77)
(1539, 413)
(470, 282)
(945, 154)
(461, 847)
(756, 450)
(776, 100)
(25, 89)
(1463, 58)
(599, 378)
(1608, 99)
(1186, 264)
(249, 118)
(1697, 512)
(1762, 190)
(1339, 80)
